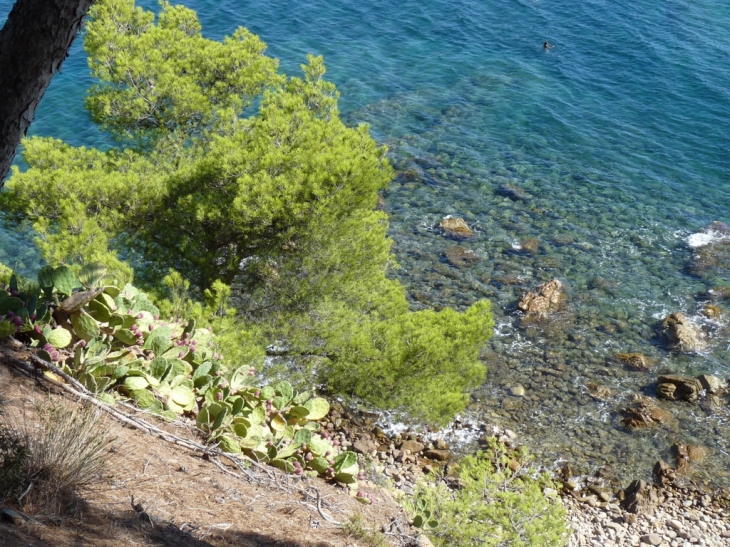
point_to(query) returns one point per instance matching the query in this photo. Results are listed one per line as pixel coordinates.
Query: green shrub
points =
(493, 505)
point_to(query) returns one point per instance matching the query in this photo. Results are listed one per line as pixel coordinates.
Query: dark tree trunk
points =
(33, 43)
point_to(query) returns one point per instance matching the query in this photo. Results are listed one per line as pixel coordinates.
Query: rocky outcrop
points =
(641, 498)
(455, 227)
(644, 413)
(547, 299)
(635, 361)
(680, 333)
(712, 384)
(678, 388)
(461, 257)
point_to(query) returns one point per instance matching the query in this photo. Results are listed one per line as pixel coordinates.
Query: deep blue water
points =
(619, 134)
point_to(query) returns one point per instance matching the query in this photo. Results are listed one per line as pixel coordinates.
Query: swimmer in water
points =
(547, 45)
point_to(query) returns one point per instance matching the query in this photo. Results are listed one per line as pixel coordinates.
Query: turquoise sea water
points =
(618, 138)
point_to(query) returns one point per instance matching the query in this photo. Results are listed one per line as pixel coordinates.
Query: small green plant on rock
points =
(493, 505)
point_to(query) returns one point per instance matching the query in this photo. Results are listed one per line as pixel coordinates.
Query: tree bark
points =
(33, 43)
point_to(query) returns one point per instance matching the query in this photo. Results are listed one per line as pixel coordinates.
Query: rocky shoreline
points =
(672, 512)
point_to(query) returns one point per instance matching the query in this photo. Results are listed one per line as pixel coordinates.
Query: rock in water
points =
(515, 193)
(455, 227)
(461, 257)
(710, 383)
(679, 388)
(678, 331)
(644, 413)
(548, 298)
(634, 361)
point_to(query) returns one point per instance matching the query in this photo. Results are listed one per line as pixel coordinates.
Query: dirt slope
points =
(160, 494)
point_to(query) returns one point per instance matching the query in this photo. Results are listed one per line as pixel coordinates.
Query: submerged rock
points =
(678, 388)
(712, 251)
(679, 332)
(515, 193)
(635, 361)
(711, 311)
(455, 227)
(599, 392)
(461, 257)
(530, 245)
(548, 299)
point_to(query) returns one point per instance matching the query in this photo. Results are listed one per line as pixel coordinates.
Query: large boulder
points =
(681, 333)
(679, 388)
(547, 299)
(455, 227)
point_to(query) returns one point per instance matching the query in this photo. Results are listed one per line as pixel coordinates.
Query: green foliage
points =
(243, 189)
(423, 362)
(113, 341)
(493, 506)
(354, 527)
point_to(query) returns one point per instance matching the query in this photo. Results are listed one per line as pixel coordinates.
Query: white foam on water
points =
(700, 239)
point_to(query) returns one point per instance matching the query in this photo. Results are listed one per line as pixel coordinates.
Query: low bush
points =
(47, 461)
(499, 501)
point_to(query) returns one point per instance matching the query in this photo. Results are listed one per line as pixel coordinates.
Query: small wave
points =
(700, 239)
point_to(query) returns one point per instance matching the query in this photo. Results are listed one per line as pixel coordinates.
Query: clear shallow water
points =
(619, 135)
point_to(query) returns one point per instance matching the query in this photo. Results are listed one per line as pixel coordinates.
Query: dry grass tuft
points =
(49, 458)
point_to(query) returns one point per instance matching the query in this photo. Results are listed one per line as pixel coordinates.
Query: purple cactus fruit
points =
(139, 334)
(38, 329)
(298, 470)
(219, 396)
(17, 321)
(328, 453)
(186, 335)
(210, 329)
(257, 394)
(48, 347)
(181, 354)
(33, 316)
(151, 327)
(298, 452)
(297, 464)
(9, 315)
(82, 343)
(156, 317)
(361, 476)
(331, 471)
(331, 462)
(309, 457)
(360, 494)
(335, 443)
(140, 341)
(140, 315)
